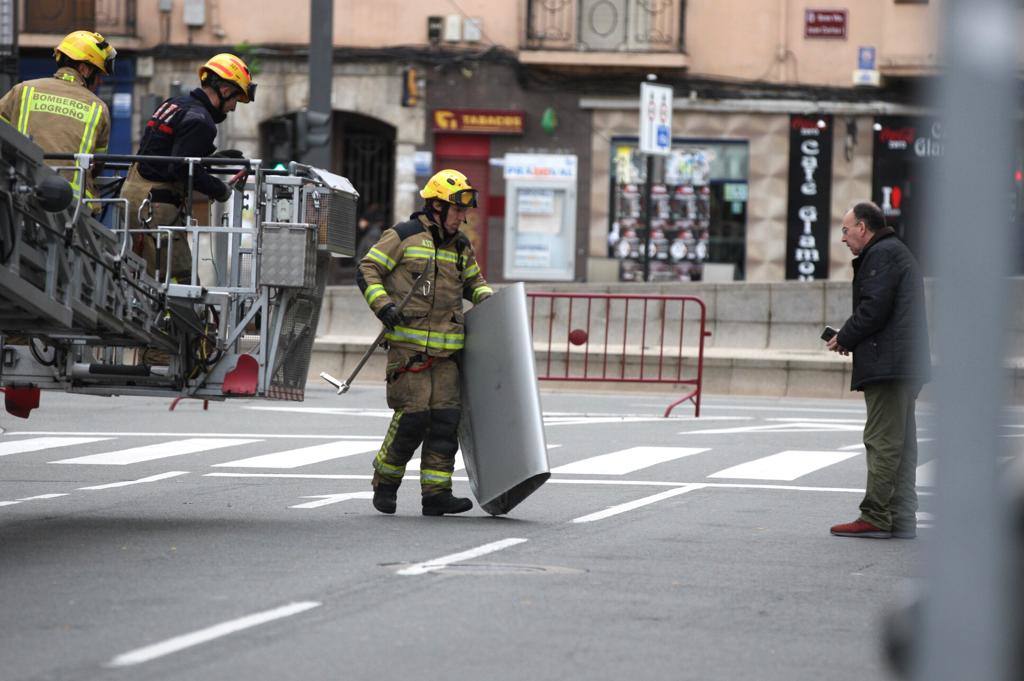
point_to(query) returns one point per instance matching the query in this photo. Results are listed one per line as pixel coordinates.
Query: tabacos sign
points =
(808, 215)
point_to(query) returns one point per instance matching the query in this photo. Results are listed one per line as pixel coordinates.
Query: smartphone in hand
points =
(828, 333)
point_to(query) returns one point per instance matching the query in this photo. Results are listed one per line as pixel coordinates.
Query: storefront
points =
(724, 207)
(699, 194)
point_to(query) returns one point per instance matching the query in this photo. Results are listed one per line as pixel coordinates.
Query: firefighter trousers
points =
(424, 392)
(149, 198)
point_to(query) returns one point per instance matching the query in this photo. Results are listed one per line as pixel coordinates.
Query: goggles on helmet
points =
(464, 198)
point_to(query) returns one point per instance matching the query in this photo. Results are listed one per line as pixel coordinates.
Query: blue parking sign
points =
(664, 137)
(866, 58)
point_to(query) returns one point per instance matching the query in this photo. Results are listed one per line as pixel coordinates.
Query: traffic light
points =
(410, 87)
(277, 135)
(312, 130)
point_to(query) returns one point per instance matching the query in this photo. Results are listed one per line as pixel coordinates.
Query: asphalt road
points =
(244, 546)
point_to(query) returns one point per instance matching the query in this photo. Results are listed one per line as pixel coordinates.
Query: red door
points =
(470, 155)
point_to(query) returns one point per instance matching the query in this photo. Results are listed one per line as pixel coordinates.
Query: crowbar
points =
(343, 386)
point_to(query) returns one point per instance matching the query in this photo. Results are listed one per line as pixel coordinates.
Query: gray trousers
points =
(890, 438)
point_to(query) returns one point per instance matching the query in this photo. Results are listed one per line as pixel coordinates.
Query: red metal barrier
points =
(620, 338)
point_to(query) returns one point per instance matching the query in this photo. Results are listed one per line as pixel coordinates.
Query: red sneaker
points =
(860, 528)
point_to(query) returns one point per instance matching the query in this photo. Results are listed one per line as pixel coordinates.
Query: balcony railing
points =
(109, 17)
(605, 25)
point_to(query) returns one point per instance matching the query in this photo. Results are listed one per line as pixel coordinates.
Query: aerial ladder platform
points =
(79, 312)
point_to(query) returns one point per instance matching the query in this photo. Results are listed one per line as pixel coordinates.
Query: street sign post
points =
(655, 140)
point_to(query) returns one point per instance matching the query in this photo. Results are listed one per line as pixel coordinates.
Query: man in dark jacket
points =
(183, 126)
(888, 336)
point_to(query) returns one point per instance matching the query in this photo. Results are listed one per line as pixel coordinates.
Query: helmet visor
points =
(251, 94)
(464, 198)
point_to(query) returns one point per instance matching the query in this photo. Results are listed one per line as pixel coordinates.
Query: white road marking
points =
(261, 436)
(178, 643)
(626, 460)
(36, 444)
(160, 450)
(571, 481)
(445, 561)
(294, 458)
(806, 420)
(44, 496)
(639, 503)
(9, 503)
(926, 474)
(788, 410)
(339, 411)
(796, 427)
(787, 465)
(593, 420)
(126, 483)
(328, 499)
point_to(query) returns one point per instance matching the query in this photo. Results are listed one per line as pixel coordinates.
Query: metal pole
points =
(321, 72)
(648, 217)
(967, 630)
(8, 44)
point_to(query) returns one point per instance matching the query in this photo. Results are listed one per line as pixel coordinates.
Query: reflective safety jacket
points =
(61, 115)
(434, 320)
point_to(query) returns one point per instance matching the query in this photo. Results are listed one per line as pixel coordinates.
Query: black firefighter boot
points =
(385, 497)
(445, 502)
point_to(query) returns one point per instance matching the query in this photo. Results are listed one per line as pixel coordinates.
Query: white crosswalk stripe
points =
(626, 460)
(36, 444)
(160, 450)
(305, 456)
(926, 474)
(788, 465)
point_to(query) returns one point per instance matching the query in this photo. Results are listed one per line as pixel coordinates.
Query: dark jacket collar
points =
(883, 233)
(217, 114)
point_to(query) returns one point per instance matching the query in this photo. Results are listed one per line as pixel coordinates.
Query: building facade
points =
(785, 112)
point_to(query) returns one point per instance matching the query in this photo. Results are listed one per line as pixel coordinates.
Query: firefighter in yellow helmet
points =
(62, 114)
(183, 126)
(424, 338)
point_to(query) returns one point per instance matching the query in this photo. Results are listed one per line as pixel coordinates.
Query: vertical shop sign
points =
(904, 149)
(810, 197)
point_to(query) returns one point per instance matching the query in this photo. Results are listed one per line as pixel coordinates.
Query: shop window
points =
(699, 221)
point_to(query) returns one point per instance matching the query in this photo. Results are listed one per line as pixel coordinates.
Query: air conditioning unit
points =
(453, 28)
(195, 13)
(472, 29)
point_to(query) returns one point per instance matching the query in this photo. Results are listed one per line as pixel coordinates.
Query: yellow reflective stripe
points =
(381, 258)
(472, 271)
(440, 477)
(418, 252)
(447, 256)
(26, 97)
(481, 290)
(427, 339)
(379, 463)
(5, 119)
(373, 292)
(89, 134)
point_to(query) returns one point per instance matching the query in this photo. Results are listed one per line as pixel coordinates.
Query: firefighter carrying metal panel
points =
(424, 338)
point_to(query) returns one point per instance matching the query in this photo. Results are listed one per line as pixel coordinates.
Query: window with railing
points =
(605, 25)
(109, 17)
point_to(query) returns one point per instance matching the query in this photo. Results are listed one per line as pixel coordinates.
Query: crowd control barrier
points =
(620, 338)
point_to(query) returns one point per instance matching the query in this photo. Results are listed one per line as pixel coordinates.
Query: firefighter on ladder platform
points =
(62, 114)
(424, 339)
(183, 126)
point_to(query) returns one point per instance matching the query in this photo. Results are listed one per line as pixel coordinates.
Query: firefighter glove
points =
(223, 189)
(390, 317)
